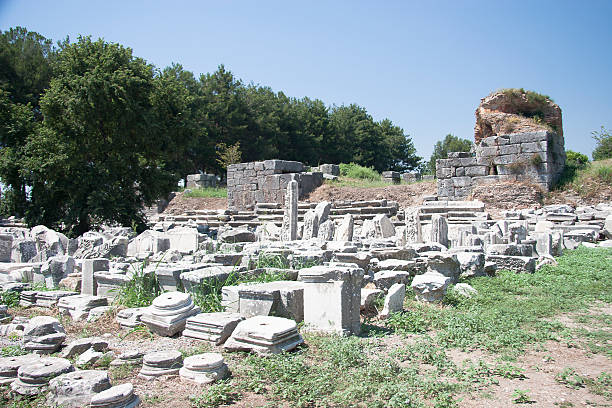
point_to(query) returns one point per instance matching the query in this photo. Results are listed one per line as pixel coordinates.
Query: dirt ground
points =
(540, 365)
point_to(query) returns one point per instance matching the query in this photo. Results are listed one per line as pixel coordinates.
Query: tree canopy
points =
(90, 133)
(450, 143)
(603, 149)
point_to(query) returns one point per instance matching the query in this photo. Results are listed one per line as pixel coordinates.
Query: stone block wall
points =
(266, 182)
(201, 180)
(537, 157)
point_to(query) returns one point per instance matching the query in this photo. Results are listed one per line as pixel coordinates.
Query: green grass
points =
(140, 290)
(588, 178)
(513, 310)
(207, 192)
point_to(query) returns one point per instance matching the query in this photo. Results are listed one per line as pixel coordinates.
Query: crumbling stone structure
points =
(266, 182)
(519, 137)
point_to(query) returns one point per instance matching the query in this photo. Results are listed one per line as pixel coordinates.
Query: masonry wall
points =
(266, 182)
(537, 157)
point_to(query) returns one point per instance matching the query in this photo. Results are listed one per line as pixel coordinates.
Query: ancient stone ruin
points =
(518, 137)
(266, 182)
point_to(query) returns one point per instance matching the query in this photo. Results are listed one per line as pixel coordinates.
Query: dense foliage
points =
(443, 147)
(89, 133)
(603, 149)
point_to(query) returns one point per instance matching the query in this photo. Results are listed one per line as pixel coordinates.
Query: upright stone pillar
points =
(345, 231)
(290, 217)
(332, 298)
(413, 226)
(439, 230)
(89, 285)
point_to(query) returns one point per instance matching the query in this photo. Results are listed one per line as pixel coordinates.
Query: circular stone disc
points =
(162, 358)
(44, 368)
(171, 300)
(113, 395)
(204, 362)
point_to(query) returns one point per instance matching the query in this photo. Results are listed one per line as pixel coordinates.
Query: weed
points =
(9, 298)
(521, 397)
(123, 371)
(272, 261)
(12, 351)
(199, 349)
(516, 167)
(217, 394)
(570, 378)
(536, 159)
(140, 290)
(604, 173)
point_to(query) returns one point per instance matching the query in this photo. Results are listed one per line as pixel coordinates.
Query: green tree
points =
(400, 151)
(100, 155)
(25, 72)
(603, 150)
(443, 147)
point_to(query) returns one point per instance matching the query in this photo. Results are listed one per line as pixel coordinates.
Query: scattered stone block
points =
(78, 306)
(43, 335)
(212, 327)
(133, 357)
(430, 287)
(75, 389)
(394, 301)
(160, 363)
(204, 368)
(439, 230)
(32, 379)
(464, 289)
(264, 335)
(119, 396)
(332, 298)
(79, 346)
(130, 318)
(368, 297)
(169, 313)
(10, 365)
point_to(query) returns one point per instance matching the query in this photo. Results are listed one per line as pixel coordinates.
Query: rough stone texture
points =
(119, 396)
(160, 363)
(465, 289)
(332, 298)
(394, 301)
(264, 335)
(266, 182)
(344, 232)
(169, 313)
(507, 112)
(204, 368)
(439, 230)
(510, 146)
(75, 389)
(201, 180)
(430, 287)
(10, 365)
(212, 327)
(43, 335)
(290, 216)
(34, 378)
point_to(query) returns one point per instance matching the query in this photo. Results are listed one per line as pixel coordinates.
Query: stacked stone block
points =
(537, 157)
(266, 182)
(201, 180)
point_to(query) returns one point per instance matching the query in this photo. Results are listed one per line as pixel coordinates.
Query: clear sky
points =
(423, 64)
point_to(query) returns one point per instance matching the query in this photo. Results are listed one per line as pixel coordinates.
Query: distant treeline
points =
(90, 133)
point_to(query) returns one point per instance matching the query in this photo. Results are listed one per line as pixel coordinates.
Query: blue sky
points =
(424, 65)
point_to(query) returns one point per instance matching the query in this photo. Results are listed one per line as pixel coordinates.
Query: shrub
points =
(536, 159)
(575, 159)
(603, 150)
(604, 173)
(354, 170)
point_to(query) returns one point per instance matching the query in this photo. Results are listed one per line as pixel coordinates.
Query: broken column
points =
(344, 232)
(332, 297)
(439, 229)
(290, 217)
(89, 285)
(413, 226)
